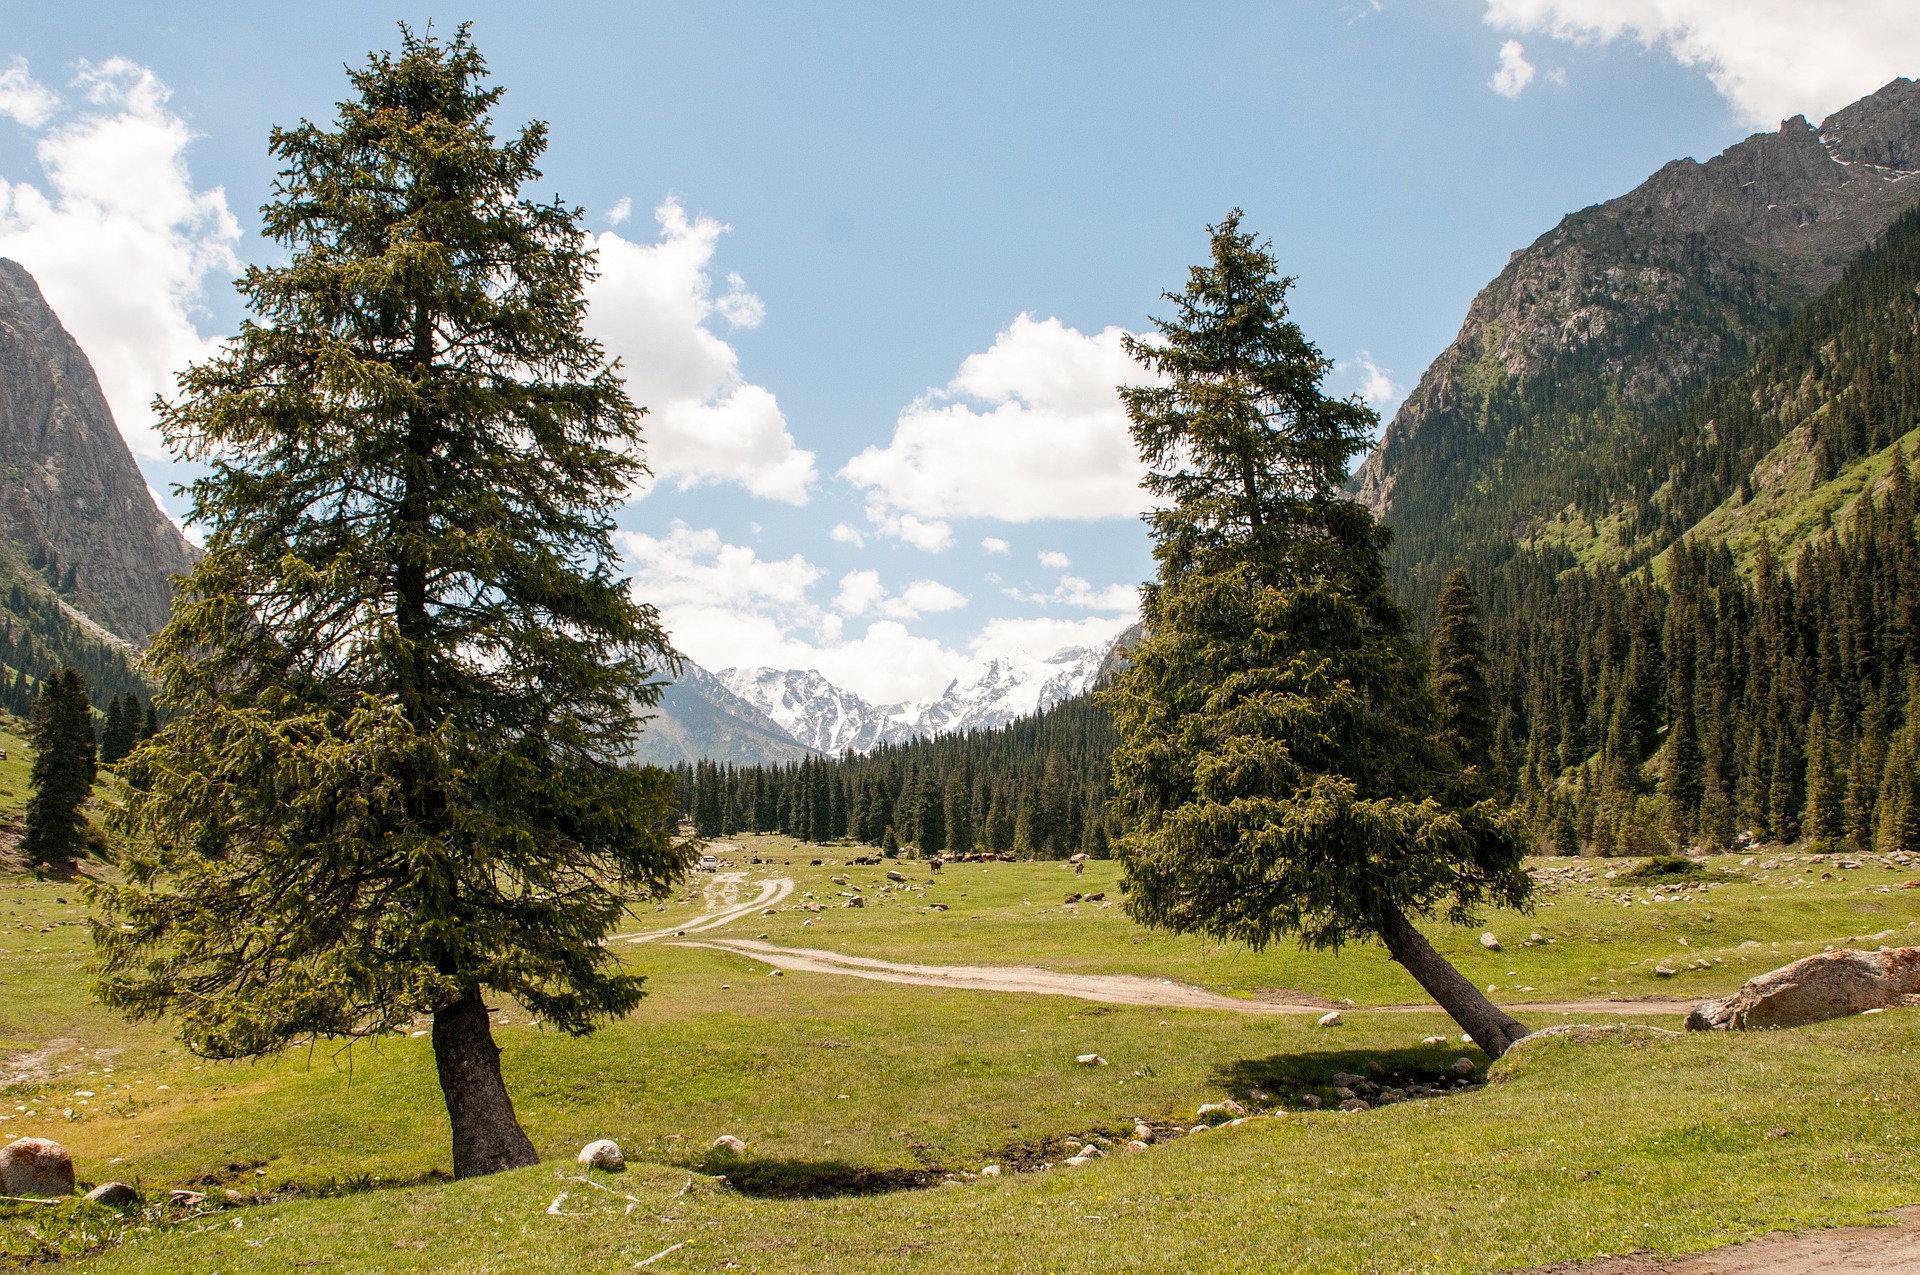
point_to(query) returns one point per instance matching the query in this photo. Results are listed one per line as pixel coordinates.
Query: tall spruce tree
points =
(1460, 672)
(61, 776)
(1279, 762)
(398, 681)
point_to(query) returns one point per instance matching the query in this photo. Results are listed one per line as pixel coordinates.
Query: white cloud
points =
(931, 534)
(23, 99)
(1074, 592)
(119, 239)
(1031, 428)
(706, 423)
(847, 535)
(1046, 634)
(1377, 387)
(994, 544)
(621, 210)
(1769, 58)
(1514, 73)
(861, 593)
(1054, 560)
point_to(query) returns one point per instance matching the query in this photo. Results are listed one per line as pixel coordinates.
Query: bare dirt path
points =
(1847, 1250)
(1111, 989)
(724, 906)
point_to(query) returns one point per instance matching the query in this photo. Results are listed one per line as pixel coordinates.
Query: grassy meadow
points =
(853, 1093)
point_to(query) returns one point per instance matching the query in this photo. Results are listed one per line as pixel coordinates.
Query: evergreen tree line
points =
(64, 764)
(1037, 787)
(1633, 714)
(37, 639)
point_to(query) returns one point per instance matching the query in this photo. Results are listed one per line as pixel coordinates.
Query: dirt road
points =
(1849, 1250)
(725, 906)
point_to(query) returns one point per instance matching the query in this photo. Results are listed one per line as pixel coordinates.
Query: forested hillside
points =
(1037, 787)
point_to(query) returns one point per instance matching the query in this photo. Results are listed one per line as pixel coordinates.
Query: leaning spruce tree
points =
(398, 681)
(1279, 764)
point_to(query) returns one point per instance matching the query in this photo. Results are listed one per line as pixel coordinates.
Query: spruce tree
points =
(60, 779)
(1279, 762)
(399, 680)
(959, 810)
(1459, 672)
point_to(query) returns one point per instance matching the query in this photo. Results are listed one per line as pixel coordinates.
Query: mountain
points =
(1571, 355)
(72, 502)
(699, 719)
(994, 692)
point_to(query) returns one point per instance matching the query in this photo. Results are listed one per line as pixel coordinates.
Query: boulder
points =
(115, 1195)
(1489, 942)
(35, 1167)
(1825, 985)
(1330, 1019)
(990, 1171)
(1137, 1145)
(1463, 1067)
(1224, 1110)
(602, 1153)
(727, 1142)
(1090, 1060)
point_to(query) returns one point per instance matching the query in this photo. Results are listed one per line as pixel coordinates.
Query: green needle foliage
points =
(61, 778)
(1279, 764)
(400, 678)
(1460, 672)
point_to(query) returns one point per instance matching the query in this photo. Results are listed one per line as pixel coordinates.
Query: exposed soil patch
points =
(32, 1066)
(1847, 1250)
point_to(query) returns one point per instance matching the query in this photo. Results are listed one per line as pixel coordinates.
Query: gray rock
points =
(1463, 1067)
(1228, 1108)
(1356, 1104)
(1090, 1060)
(1822, 986)
(115, 1195)
(35, 1167)
(727, 1142)
(1489, 942)
(1330, 1019)
(602, 1153)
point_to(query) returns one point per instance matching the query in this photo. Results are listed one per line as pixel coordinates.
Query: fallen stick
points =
(649, 1261)
(28, 1199)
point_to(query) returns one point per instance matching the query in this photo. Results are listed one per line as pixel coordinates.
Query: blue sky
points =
(869, 263)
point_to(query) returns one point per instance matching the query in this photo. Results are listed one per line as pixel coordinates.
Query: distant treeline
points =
(37, 638)
(1036, 787)
(1632, 714)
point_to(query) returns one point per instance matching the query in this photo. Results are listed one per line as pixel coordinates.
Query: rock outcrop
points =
(68, 483)
(1829, 985)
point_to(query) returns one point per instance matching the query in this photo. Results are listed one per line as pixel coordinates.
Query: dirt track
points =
(1851, 1250)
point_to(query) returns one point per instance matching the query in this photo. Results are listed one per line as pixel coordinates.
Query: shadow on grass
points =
(792, 1179)
(1287, 1079)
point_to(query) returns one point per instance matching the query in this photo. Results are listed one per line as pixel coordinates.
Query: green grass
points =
(842, 1086)
(13, 771)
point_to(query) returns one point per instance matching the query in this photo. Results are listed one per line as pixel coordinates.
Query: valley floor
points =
(845, 1086)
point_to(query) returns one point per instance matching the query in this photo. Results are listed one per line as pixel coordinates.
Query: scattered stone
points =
(1489, 942)
(1143, 1133)
(1076, 1161)
(602, 1153)
(187, 1199)
(1137, 1145)
(855, 902)
(1827, 985)
(811, 907)
(1330, 1019)
(115, 1195)
(1201, 1128)
(1463, 1067)
(775, 973)
(1356, 1104)
(1779, 1133)
(1434, 1040)
(1664, 971)
(233, 1197)
(990, 1171)
(896, 876)
(1090, 1060)
(36, 1167)
(1311, 1100)
(1536, 938)
(1229, 1108)
(727, 1142)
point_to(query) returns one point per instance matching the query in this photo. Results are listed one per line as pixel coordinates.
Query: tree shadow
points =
(1297, 1080)
(794, 1179)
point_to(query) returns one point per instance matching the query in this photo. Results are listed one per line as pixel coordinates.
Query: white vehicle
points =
(708, 863)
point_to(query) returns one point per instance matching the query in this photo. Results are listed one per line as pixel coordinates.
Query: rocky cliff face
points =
(1622, 305)
(67, 481)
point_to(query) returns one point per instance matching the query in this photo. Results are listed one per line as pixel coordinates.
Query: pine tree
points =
(959, 812)
(400, 677)
(1278, 760)
(61, 777)
(1459, 673)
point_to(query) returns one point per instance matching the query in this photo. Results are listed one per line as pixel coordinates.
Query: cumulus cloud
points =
(1075, 592)
(1376, 384)
(1029, 429)
(994, 544)
(621, 210)
(120, 240)
(651, 306)
(847, 534)
(1769, 58)
(1054, 560)
(23, 99)
(1514, 73)
(861, 593)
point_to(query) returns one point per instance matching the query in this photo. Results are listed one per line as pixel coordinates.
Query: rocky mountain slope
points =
(698, 718)
(72, 501)
(1618, 312)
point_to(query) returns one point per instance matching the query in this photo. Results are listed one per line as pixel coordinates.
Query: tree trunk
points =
(486, 1135)
(1489, 1026)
